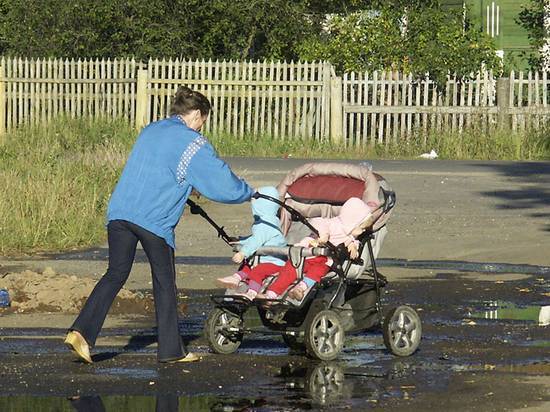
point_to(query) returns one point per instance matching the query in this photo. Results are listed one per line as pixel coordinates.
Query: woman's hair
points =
(186, 100)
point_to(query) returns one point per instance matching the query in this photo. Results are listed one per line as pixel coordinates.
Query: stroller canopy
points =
(320, 189)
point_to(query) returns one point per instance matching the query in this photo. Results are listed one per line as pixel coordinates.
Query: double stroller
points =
(348, 298)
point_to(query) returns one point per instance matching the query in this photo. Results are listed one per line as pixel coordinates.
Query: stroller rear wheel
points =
(224, 331)
(324, 337)
(402, 331)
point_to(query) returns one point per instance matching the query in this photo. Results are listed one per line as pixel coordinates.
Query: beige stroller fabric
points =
(373, 183)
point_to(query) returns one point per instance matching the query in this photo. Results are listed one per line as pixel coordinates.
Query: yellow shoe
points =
(78, 345)
(190, 357)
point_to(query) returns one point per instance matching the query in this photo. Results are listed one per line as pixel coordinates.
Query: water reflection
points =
(510, 311)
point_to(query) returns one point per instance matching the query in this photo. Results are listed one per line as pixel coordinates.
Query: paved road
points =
(447, 211)
(482, 350)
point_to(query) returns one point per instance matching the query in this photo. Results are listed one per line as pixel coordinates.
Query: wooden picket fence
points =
(279, 99)
(248, 98)
(385, 106)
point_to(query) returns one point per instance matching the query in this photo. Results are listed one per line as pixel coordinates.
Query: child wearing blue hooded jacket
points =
(266, 231)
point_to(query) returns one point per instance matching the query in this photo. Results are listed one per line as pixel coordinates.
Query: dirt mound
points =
(54, 292)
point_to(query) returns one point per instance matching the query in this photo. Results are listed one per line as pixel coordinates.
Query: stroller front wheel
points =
(324, 337)
(402, 330)
(224, 331)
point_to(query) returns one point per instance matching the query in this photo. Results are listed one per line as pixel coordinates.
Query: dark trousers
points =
(123, 237)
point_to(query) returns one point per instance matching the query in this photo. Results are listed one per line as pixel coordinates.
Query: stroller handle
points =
(288, 251)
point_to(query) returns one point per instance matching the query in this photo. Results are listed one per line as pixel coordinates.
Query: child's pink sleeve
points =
(322, 225)
(350, 239)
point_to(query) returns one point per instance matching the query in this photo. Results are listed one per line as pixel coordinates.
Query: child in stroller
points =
(266, 231)
(347, 298)
(344, 229)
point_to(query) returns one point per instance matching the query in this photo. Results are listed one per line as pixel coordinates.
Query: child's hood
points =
(264, 208)
(353, 213)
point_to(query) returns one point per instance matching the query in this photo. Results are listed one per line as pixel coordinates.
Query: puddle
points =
(299, 386)
(501, 310)
(132, 373)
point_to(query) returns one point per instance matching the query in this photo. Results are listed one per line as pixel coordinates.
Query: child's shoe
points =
(229, 282)
(298, 291)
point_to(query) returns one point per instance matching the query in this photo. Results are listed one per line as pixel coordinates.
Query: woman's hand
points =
(352, 249)
(237, 257)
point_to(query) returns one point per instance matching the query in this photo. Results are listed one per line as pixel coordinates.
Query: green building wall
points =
(510, 37)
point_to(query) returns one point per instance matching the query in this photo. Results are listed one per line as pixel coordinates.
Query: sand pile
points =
(54, 292)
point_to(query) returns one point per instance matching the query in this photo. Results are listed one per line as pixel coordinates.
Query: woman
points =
(168, 160)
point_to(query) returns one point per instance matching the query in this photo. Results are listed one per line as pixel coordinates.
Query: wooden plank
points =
(513, 98)
(403, 120)
(284, 113)
(365, 132)
(25, 108)
(382, 103)
(8, 70)
(462, 104)
(276, 120)
(249, 98)
(470, 99)
(291, 100)
(230, 71)
(389, 97)
(32, 93)
(373, 117)
(410, 103)
(395, 117)
(418, 101)
(437, 109)
(263, 106)
(320, 73)
(209, 91)
(237, 74)
(237, 82)
(426, 102)
(242, 112)
(20, 92)
(349, 120)
(221, 111)
(3, 101)
(270, 102)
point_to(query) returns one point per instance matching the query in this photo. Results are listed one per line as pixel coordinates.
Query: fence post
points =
(141, 99)
(336, 110)
(2, 106)
(503, 102)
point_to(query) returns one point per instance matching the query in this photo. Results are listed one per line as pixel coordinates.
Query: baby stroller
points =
(348, 298)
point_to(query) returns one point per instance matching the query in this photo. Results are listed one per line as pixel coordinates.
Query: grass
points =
(57, 178)
(56, 181)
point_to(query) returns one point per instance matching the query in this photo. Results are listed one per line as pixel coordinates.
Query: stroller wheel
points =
(324, 335)
(224, 331)
(402, 330)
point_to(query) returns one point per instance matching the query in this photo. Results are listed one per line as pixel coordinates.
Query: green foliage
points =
(531, 18)
(407, 36)
(231, 29)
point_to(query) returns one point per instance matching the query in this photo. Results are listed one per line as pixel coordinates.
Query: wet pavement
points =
(485, 346)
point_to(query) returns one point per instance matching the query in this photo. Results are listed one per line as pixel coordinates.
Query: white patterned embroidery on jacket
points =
(186, 157)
